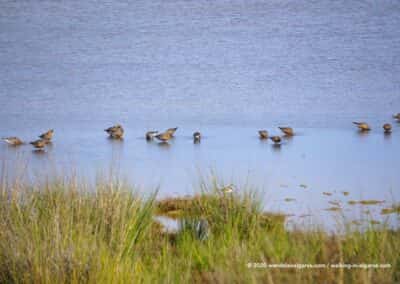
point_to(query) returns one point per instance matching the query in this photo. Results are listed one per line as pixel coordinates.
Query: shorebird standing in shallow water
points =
(39, 144)
(115, 132)
(276, 139)
(387, 128)
(288, 131)
(196, 137)
(362, 126)
(48, 135)
(150, 135)
(172, 131)
(13, 141)
(397, 116)
(263, 134)
(164, 137)
(112, 128)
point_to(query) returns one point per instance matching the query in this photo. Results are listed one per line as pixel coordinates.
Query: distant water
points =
(226, 68)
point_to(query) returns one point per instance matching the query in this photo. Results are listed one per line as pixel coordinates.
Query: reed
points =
(65, 231)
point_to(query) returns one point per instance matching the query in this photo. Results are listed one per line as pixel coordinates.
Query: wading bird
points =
(113, 128)
(13, 141)
(115, 132)
(276, 139)
(39, 144)
(150, 135)
(172, 131)
(362, 126)
(164, 137)
(48, 135)
(196, 137)
(387, 128)
(288, 131)
(263, 134)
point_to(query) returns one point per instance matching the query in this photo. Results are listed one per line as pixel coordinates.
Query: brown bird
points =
(276, 139)
(47, 135)
(196, 137)
(288, 131)
(172, 131)
(115, 132)
(362, 126)
(150, 135)
(113, 128)
(387, 128)
(397, 116)
(263, 134)
(38, 144)
(13, 141)
(164, 137)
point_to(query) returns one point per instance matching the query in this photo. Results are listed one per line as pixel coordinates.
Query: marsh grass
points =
(65, 231)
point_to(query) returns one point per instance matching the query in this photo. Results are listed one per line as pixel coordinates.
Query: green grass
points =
(69, 232)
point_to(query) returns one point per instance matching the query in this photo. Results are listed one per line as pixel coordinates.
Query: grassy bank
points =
(68, 232)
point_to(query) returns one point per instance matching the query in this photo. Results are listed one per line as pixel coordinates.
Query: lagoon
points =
(225, 68)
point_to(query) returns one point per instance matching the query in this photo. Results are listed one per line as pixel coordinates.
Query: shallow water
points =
(226, 68)
(303, 167)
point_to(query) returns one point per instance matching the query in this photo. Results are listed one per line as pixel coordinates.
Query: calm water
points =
(226, 68)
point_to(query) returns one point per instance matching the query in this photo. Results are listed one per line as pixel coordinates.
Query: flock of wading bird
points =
(117, 132)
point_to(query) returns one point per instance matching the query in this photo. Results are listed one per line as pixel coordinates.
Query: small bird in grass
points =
(276, 139)
(397, 116)
(387, 128)
(288, 131)
(263, 134)
(39, 144)
(13, 141)
(362, 126)
(196, 137)
(48, 135)
(172, 131)
(164, 137)
(150, 135)
(115, 132)
(227, 189)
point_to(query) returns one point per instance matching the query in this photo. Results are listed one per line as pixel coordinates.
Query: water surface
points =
(226, 68)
